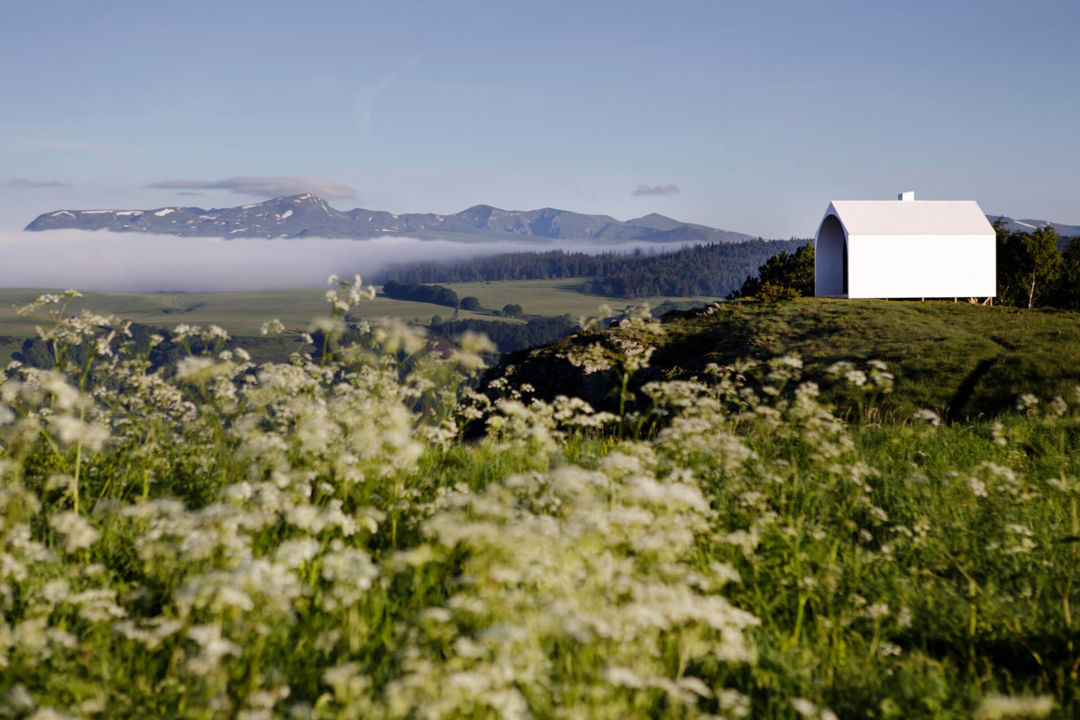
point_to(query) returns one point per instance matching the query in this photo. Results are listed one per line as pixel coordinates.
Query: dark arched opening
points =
(831, 259)
(845, 266)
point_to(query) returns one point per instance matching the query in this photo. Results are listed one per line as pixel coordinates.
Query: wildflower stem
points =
(78, 466)
(1074, 518)
(798, 620)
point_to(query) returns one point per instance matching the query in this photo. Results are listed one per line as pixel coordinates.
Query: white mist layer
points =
(135, 262)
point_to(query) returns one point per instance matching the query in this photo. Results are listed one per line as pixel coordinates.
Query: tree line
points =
(1038, 268)
(784, 276)
(706, 269)
(509, 337)
(421, 293)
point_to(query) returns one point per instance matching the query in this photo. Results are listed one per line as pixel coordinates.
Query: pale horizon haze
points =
(750, 117)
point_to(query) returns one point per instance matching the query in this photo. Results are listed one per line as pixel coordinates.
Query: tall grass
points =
(312, 539)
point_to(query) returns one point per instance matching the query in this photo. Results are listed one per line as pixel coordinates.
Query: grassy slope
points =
(951, 357)
(958, 359)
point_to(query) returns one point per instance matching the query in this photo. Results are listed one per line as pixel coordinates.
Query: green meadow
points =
(780, 515)
(243, 313)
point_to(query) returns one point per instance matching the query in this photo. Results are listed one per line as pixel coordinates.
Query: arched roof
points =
(911, 217)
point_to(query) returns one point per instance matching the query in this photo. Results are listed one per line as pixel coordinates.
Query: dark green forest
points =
(712, 269)
(420, 293)
(783, 276)
(1037, 269)
(509, 337)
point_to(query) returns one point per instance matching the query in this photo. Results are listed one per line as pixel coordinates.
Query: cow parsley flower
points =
(78, 533)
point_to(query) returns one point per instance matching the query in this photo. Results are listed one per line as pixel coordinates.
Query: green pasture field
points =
(554, 297)
(242, 313)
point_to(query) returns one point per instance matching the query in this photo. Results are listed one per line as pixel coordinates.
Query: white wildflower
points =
(213, 648)
(888, 649)
(194, 366)
(216, 332)
(72, 430)
(1026, 402)
(877, 611)
(48, 713)
(995, 707)
(97, 605)
(855, 377)
(78, 533)
(328, 325)
(928, 416)
(977, 487)
(804, 707)
(623, 677)
(272, 327)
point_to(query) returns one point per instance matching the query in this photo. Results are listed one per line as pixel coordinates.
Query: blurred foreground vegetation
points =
(312, 538)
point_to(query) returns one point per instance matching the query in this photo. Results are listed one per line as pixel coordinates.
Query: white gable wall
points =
(905, 249)
(917, 266)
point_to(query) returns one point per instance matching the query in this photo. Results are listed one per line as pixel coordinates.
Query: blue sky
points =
(759, 113)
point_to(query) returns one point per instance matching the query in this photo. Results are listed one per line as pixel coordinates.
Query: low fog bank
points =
(132, 262)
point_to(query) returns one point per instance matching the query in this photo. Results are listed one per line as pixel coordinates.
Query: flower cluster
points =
(314, 538)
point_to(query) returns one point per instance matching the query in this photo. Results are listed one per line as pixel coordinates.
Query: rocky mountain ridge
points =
(308, 215)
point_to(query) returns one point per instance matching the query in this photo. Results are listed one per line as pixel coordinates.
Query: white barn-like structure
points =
(905, 249)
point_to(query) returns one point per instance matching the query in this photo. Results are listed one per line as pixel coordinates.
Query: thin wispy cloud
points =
(263, 186)
(34, 184)
(366, 96)
(656, 190)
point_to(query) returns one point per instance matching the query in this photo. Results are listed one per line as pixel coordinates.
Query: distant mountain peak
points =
(1027, 225)
(308, 215)
(659, 222)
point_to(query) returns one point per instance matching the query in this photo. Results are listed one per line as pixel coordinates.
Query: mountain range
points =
(1027, 226)
(308, 215)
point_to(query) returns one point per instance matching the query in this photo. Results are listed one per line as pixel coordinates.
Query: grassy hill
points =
(959, 360)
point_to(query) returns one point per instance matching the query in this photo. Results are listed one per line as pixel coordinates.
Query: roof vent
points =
(907, 196)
